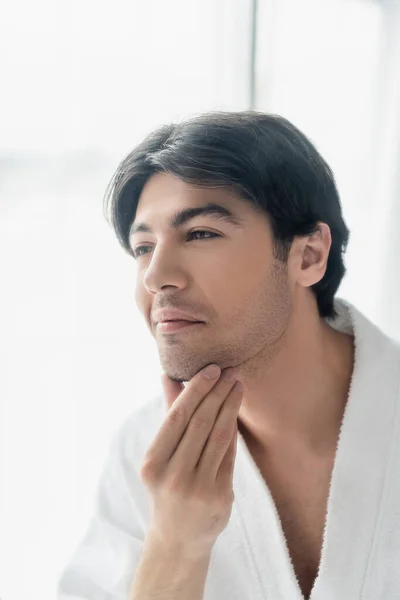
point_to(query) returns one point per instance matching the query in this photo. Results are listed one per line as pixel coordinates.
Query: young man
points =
(287, 488)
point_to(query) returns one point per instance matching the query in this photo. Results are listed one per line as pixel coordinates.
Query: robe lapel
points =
(359, 474)
(357, 482)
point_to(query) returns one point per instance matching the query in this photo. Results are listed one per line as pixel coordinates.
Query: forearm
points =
(169, 573)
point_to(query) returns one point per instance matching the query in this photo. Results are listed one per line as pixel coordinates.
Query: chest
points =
(300, 493)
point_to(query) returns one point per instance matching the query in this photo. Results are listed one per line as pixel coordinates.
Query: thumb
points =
(171, 388)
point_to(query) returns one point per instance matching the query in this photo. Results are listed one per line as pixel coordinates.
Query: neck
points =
(295, 397)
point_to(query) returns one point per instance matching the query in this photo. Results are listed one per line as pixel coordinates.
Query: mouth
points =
(178, 325)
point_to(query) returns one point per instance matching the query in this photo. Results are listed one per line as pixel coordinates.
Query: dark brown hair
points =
(264, 157)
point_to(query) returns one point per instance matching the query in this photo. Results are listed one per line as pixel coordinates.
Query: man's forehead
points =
(165, 185)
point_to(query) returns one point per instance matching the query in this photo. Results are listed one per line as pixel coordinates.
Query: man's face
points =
(232, 282)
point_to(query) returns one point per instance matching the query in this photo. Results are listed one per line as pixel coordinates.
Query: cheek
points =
(141, 302)
(232, 285)
(137, 294)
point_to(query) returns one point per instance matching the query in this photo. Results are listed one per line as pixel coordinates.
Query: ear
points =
(312, 256)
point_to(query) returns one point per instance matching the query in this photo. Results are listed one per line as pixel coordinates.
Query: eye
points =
(190, 236)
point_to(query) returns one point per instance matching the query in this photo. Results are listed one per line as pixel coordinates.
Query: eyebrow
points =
(183, 216)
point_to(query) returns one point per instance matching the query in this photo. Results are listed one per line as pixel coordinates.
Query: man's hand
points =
(188, 468)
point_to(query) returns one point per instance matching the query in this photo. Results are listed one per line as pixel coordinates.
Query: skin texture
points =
(261, 316)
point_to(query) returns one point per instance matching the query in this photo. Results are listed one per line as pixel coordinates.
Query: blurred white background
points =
(83, 83)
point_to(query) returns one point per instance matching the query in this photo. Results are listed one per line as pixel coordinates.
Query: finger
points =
(178, 416)
(171, 389)
(194, 440)
(225, 473)
(221, 436)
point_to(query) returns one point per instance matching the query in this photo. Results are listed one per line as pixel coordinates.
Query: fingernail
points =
(211, 371)
(230, 374)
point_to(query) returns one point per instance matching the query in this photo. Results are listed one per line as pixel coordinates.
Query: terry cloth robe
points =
(250, 560)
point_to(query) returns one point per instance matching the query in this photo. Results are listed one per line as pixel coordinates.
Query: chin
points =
(180, 375)
(179, 380)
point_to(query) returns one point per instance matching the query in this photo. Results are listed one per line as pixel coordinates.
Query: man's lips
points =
(179, 321)
(173, 314)
(176, 325)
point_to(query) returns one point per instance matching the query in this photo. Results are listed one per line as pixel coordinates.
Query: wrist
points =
(182, 550)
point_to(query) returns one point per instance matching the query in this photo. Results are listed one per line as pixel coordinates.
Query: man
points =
(234, 219)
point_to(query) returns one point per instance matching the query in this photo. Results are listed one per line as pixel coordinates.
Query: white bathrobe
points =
(250, 560)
